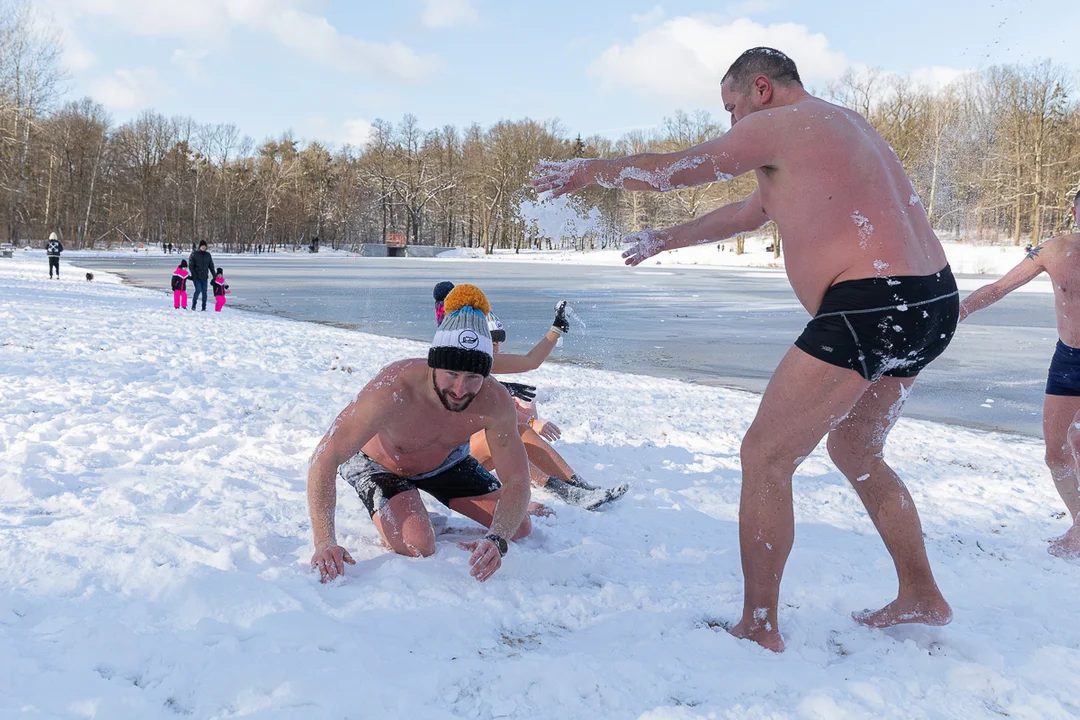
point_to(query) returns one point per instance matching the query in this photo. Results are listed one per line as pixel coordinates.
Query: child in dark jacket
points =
(179, 286)
(220, 288)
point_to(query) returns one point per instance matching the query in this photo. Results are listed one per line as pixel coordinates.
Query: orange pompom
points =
(466, 296)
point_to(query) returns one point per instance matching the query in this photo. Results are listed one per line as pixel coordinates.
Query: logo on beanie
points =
(468, 339)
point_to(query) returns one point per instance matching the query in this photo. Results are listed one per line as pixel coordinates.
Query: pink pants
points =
(219, 302)
(179, 299)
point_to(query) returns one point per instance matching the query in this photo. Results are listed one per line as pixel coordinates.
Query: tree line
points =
(995, 157)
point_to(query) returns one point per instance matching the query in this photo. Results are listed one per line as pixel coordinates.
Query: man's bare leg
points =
(1063, 437)
(545, 457)
(405, 526)
(478, 448)
(804, 400)
(857, 446)
(482, 509)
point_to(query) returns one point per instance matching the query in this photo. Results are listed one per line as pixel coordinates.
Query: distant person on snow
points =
(1060, 259)
(179, 286)
(220, 288)
(202, 269)
(53, 249)
(408, 430)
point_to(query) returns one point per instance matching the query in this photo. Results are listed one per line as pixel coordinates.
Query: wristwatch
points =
(499, 543)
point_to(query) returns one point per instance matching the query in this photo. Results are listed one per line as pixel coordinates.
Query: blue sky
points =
(326, 68)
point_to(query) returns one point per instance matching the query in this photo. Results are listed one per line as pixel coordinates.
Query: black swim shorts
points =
(892, 326)
(460, 475)
(1064, 375)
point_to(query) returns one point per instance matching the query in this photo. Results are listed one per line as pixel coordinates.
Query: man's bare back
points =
(836, 190)
(841, 199)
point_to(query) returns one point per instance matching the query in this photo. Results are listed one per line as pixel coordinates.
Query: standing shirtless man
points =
(863, 260)
(1060, 259)
(408, 430)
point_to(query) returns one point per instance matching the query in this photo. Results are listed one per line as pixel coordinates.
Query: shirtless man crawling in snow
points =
(863, 260)
(1060, 259)
(408, 430)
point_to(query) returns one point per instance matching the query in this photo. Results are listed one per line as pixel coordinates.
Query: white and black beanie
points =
(463, 342)
(495, 327)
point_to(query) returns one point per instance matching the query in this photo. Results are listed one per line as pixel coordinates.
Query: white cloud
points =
(318, 40)
(446, 13)
(209, 23)
(351, 132)
(649, 17)
(681, 62)
(937, 77)
(189, 60)
(75, 56)
(356, 132)
(128, 89)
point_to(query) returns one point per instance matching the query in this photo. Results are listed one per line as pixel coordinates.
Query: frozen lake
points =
(712, 326)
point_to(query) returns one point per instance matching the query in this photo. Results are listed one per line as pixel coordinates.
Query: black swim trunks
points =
(892, 326)
(1064, 375)
(458, 476)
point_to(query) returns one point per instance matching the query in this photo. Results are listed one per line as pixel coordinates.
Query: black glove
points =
(520, 391)
(560, 324)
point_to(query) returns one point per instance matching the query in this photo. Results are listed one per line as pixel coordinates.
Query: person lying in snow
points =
(547, 468)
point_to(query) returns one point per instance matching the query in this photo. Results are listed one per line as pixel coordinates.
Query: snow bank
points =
(154, 543)
(964, 258)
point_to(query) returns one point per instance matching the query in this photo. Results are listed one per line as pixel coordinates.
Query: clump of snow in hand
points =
(644, 244)
(561, 170)
(559, 218)
(863, 224)
(880, 266)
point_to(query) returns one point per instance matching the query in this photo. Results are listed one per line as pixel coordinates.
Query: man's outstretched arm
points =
(1028, 269)
(749, 145)
(351, 430)
(720, 224)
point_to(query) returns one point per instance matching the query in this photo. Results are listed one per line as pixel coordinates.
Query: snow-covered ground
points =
(965, 258)
(154, 543)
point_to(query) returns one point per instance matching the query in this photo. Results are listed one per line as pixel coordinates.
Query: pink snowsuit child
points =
(220, 288)
(179, 285)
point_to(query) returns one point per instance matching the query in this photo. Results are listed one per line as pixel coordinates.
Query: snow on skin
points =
(864, 226)
(154, 546)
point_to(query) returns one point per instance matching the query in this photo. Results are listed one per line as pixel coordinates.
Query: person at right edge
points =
(864, 261)
(201, 265)
(1060, 259)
